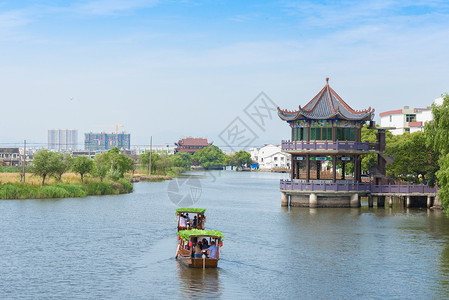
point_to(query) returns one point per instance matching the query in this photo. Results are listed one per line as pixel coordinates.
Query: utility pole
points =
(151, 149)
(24, 158)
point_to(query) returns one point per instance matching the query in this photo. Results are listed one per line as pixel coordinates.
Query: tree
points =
(181, 160)
(437, 137)
(101, 166)
(209, 157)
(44, 164)
(145, 159)
(239, 159)
(412, 157)
(119, 163)
(82, 165)
(61, 165)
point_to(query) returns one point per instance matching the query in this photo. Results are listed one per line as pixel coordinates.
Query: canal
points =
(123, 247)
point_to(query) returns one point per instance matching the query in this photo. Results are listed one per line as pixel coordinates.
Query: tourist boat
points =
(196, 212)
(187, 241)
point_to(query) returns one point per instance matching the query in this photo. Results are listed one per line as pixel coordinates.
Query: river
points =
(122, 247)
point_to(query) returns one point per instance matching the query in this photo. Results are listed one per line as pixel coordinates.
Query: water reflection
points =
(198, 283)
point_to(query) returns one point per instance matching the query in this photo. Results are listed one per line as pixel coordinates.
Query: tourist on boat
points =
(188, 219)
(195, 222)
(205, 244)
(212, 250)
(197, 250)
(182, 221)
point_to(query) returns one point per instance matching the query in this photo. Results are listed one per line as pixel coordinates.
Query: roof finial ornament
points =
(327, 80)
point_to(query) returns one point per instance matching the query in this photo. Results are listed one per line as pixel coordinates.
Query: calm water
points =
(122, 247)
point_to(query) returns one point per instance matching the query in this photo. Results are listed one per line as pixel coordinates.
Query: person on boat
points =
(212, 250)
(197, 250)
(201, 221)
(195, 222)
(188, 219)
(182, 221)
(205, 244)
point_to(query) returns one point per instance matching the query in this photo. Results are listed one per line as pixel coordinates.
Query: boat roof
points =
(195, 210)
(186, 234)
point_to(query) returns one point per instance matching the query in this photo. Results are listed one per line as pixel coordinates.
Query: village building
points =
(270, 157)
(407, 119)
(191, 145)
(10, 156)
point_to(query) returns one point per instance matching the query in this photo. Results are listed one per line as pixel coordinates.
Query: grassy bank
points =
(63, 190)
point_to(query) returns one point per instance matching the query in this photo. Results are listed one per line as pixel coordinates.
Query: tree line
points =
(111, 164)
(209, 158)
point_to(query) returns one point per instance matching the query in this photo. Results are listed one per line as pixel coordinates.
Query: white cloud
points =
(112, 7)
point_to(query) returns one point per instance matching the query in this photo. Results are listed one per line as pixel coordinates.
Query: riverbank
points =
(11, 191)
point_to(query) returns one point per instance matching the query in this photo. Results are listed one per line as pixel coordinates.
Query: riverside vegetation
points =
(54, 175)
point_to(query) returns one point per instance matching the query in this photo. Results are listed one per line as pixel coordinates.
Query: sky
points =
(170, 69)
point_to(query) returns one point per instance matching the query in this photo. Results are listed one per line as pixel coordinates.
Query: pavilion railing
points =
(328, 145)
(358, 186)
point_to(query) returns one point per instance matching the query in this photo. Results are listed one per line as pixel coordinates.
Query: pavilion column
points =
(343, 169)
(292, 167)
(359, 159)
(297, 169)
(318, 169)
(334, 168)
(354, 159)
(307, 168)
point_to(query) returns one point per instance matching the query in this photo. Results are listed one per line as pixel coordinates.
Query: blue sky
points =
(188, 68)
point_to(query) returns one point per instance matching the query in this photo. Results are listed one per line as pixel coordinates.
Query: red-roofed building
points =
(406, 120)
(191, 145)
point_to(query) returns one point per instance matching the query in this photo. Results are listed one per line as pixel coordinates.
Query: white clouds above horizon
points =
(200, 59)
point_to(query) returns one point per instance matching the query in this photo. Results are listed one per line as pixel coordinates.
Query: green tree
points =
(82, 165)
(44, 164)
(119, 163)
(101, 166)
(437, 137)
(181, 160)
(239, 159)
(145, 159)
(412, 157)
(209, 157)
(61, 165)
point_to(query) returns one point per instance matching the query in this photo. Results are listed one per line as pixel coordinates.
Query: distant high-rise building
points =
(105, 141)
(63, 139)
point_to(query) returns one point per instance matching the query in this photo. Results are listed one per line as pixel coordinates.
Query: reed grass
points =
(18, 190)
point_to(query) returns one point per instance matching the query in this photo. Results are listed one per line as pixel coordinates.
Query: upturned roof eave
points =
(301, 116)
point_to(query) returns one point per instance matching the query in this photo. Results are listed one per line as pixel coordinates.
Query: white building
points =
(270, 157)
(62, 139)
(407, 119)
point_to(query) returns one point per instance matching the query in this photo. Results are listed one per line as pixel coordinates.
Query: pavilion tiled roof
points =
(193, 142)
(327, 104)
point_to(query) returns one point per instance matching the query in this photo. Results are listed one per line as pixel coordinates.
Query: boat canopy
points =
(187, 234)
(195, 210)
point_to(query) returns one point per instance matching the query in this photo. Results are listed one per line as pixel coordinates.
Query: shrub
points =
(10, 191)
(100, 188)
(50, 191)
(125, 186)
(74, 190)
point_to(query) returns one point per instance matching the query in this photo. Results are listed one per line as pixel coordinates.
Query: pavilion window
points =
(304, 134)
(295, 134)
(318, 134)
(346, 134)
